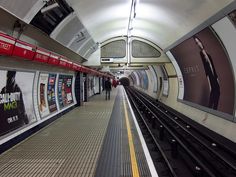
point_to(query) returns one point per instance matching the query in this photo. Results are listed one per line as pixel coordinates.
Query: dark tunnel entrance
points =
(124, 81)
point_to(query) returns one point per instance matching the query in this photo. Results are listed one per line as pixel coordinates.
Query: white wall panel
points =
(179, 75)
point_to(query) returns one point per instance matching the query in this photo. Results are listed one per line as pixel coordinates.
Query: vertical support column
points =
(85, 87)
(77, 89)
(103, 83)
(100, 91)
(81, 88)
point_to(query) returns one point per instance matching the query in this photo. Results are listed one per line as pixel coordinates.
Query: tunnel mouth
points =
(124, 81)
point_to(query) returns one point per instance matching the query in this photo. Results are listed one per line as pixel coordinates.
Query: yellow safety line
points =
(131, 145)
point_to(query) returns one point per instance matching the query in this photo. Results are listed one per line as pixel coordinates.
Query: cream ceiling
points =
(161, 21)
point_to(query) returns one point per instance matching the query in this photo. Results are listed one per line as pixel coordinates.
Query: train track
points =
(178, 148)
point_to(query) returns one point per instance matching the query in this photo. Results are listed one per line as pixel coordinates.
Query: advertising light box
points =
(51, 95)
(16, 100)
(207, 72)
(41, 55)
(6, 44)
(65, 96)
(42, 95)
(24, 50)
(46, 94)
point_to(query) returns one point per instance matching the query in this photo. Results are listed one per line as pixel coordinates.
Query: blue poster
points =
(65, 90)
(144, 80)
(51, 93)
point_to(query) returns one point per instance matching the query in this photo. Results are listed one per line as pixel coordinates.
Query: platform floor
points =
(97, 139)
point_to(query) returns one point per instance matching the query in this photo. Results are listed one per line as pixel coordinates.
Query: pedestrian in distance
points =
(108, 88)
(114, 83)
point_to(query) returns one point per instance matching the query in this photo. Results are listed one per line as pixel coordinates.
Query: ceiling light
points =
(50, 7)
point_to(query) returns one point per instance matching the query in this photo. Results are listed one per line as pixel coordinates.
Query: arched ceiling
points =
(161, 21)
(91, 22)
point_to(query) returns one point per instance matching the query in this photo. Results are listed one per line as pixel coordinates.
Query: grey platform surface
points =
(70, 146)
(75, 144)
(115, 158)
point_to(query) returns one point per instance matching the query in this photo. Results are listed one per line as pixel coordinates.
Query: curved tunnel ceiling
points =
(161, 21)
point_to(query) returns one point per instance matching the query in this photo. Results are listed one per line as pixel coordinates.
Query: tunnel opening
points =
(124, 81)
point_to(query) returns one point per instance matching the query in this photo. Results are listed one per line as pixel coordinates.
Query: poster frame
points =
(19, 129)
(73, 92)
(57, 111)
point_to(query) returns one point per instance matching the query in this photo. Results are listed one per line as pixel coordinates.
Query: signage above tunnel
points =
(145, 52)
(114, 51)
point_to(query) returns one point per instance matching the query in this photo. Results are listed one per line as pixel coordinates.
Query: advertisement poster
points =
(96, 85)
(51, 92)
(16, 100)
(137, 78)
(144, 79)
(42, 95)
(133, 78)
(65, 90)
(207, 72)
(90, 86)
(140, 78)
(154, 78)
(165, 81)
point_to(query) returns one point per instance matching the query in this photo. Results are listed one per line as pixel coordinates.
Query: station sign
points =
(69, 64)
(6, 44)
(24, 50)
(54, 59)
(84, 69)
(62, 62)
(76, 67)
(41, 55)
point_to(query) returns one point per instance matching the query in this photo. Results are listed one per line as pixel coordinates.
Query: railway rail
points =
(178, 148)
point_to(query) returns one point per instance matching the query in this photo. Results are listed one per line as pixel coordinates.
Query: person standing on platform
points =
(108, 88)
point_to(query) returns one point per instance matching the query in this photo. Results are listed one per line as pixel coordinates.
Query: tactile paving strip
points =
(115, 159)
(70, 146)
(109, 164)
(141, 159)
